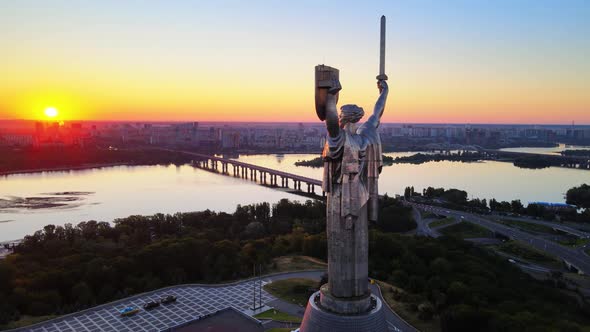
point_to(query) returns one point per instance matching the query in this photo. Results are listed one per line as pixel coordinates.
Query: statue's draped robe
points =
(352, 163)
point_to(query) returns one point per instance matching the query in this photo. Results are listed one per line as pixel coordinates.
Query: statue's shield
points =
(326, 81)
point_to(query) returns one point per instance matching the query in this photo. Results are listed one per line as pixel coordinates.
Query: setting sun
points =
(51, 112)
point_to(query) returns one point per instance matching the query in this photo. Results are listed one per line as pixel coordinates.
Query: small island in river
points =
(319, 162)
(418, 158)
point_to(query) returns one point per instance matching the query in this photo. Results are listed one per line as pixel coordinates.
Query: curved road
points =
(561, 227)
(571, 256)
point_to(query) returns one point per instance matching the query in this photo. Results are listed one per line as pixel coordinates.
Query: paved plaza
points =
(192, 302)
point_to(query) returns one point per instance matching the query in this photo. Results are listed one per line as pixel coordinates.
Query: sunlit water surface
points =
(115, 192)
(553, 150)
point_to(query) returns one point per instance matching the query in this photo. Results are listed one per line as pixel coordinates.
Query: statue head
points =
(350, 114)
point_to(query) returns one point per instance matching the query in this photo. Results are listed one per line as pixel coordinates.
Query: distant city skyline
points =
(500, 62)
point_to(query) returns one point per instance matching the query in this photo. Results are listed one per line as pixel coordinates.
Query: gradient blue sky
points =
(473, 61)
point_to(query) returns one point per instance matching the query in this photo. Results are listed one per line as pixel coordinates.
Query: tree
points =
(407, 192)
(254, 230)
(516, 206)
(463, 318)
(455, 196)
(579, 196)
(395, 217)
(82, 294)
(425, 311)
(7, 273)
(400, 278)
(493, 204)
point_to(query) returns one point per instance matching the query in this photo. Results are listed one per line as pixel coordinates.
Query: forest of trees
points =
(61, 157)
(470, 288)
(577, 152)
(420, 158)
(534, 162)
(63, 269)
(457, 199)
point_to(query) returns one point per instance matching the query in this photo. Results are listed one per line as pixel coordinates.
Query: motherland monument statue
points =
(352, 163)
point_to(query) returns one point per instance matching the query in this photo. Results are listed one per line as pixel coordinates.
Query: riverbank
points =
(75, 158)
(65, 168)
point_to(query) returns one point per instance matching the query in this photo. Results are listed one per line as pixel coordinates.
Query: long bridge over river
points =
(263, 175)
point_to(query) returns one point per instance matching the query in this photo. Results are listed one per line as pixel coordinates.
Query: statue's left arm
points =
(375, 118)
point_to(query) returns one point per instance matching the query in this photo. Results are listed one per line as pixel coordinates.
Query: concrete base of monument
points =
(318, 319)
(348, 306)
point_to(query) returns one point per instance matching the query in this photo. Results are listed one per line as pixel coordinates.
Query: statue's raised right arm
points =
(375, 118)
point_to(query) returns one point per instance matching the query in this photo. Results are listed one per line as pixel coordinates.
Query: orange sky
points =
(178, 62)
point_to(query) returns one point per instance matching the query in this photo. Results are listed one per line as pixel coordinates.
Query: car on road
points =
(168, 299)
(151, 305)
(128, 311)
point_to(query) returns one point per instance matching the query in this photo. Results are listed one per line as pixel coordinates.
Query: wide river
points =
(113, 192)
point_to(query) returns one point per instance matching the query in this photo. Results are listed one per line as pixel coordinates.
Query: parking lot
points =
(192, 302)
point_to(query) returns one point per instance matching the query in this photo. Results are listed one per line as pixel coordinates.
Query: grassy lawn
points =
(25, 321)
(529, 227)
(441, 222)
(402, 309)
(295, 290)
(528, 253)
(467, 230)
(587, 251)
(278, 316)
(427, 214)
(572, 241)
(296, 263)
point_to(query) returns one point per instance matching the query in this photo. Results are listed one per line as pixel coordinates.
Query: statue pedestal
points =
(347, 306)
(317, 318)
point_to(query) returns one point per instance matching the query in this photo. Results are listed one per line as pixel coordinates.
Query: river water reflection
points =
(114, 192)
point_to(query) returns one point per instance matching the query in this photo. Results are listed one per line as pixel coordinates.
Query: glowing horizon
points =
(500, 62)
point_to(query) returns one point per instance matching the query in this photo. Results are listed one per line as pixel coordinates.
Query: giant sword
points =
(382, 75)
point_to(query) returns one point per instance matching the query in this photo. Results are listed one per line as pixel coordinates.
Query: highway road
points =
(562, 227)
(422, 228)
(572, 256)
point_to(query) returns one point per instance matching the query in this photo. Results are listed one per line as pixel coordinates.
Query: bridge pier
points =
(257, 173)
